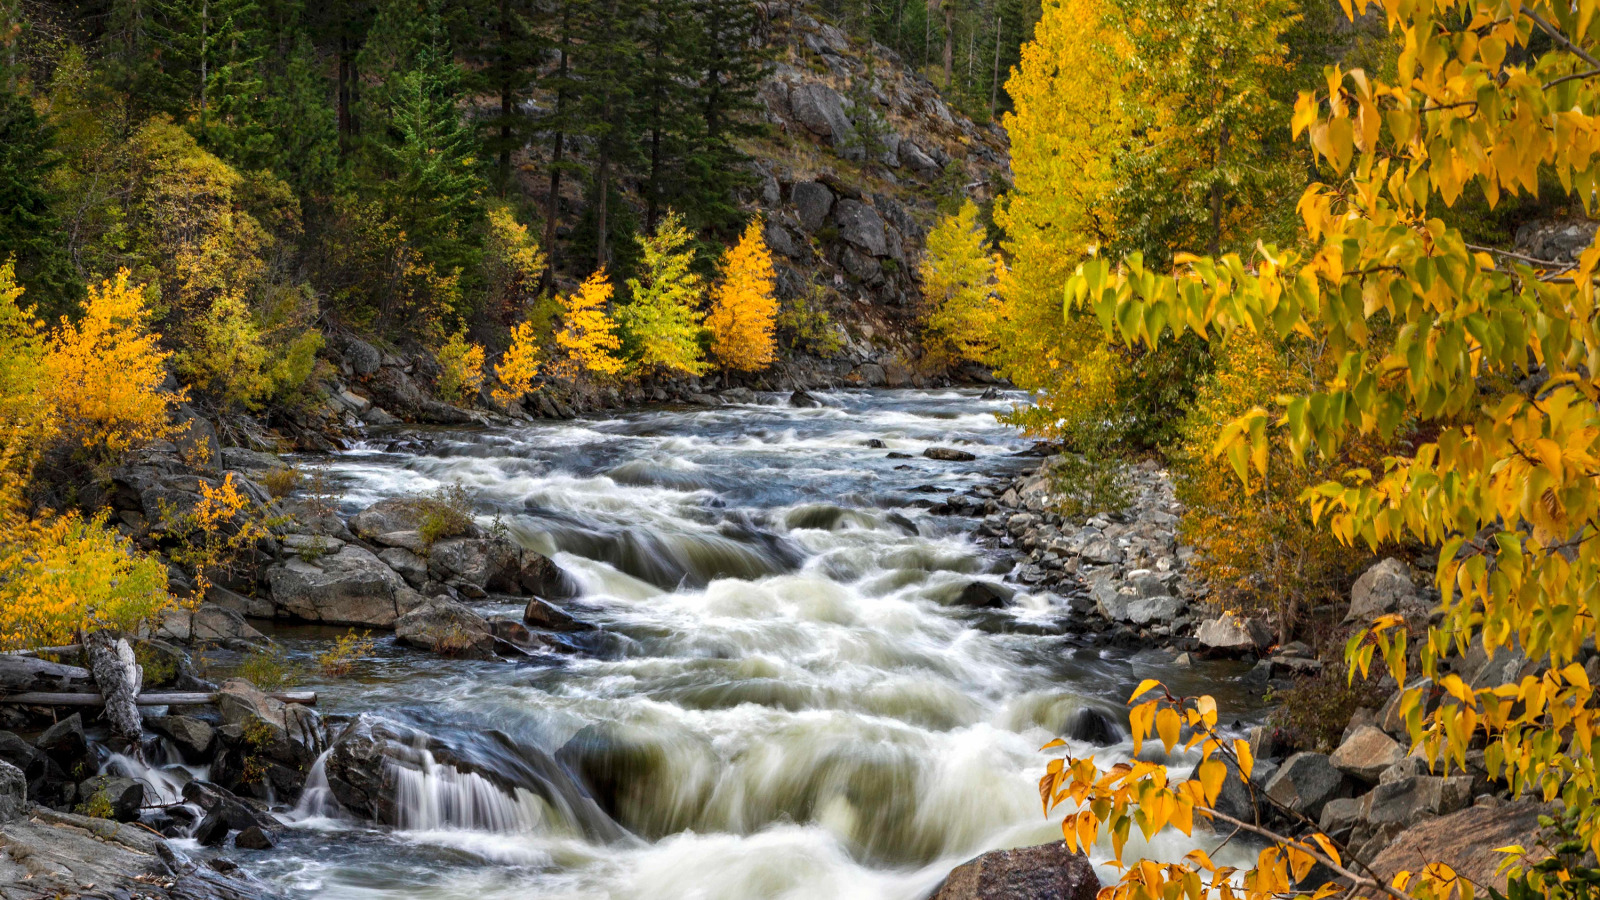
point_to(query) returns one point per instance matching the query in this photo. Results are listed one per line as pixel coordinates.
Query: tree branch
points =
(1561, 40)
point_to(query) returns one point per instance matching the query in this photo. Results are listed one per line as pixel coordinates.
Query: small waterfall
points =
(434, 796)
(316, 799)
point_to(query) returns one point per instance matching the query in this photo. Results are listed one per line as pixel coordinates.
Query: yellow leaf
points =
(1247, 760)
(1327, 847)
(1145, 685)
(1210, 775)
(1167, 726)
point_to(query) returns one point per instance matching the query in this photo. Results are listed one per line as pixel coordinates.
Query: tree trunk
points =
(345, 129)
(601, 172)
(949, 41)
(994, 85)
(119, 679)
(506, 100)
(553, 204)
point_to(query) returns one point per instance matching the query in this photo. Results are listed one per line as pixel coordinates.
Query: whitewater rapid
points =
(783, 700)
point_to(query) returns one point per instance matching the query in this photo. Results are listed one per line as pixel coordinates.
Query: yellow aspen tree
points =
(588, 338)
(1067, 124)
(103, 373)
(744, 304)
(663, 320)
(961, 312)
(518, 366)
(26, 417)
(461, 368)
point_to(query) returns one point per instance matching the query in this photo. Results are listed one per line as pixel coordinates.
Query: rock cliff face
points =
(863, 154)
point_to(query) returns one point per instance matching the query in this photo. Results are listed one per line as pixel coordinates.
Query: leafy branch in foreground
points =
(1491, 362)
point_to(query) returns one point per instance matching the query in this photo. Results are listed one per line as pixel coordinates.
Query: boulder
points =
(1340, 816)
(192, 736)
(22, 674)
(398, 514)
(1228, 633)
(913, 158)
(493, 564)
(1366, 753)
(234, 813)
(447, 628)
(1385, 588)
(364, 359)
(548, 617)
(1046, 872)
(208, 623)
(212, 830)
(813, 201)
(1306, 782)
(984, 595)
(1466, 842)
(66, 745)
(1410, 800)
(13, 792)
(254, 838)
(948, 454)
(860, 225)
(1160, 610)
(123, 795)
(541, 577)
(351, 587)
(820, 110)
(803, 399)
(293, 732)
(786, 243)
(413, 568)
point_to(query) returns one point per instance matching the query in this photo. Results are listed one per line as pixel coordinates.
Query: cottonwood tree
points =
(744, 304)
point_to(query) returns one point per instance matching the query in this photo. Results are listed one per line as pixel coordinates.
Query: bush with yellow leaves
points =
(460, 369)
(103, 374)
(519, 365)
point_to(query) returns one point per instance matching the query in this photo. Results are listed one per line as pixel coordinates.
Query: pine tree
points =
(303, 147)
(30, 231)
(728, 62)
(504, 45)
(745, 305)
(662, 320)
(209, 64)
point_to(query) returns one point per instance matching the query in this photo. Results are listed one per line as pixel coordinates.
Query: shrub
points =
(1314, 712)
(216, 532)
(269, 668)
(588, 337)
(461, 369)
(281, 482)
(807, 326)
(518, 366)
(338, 660)
(98, 805)
(446, 512)
(961, 311)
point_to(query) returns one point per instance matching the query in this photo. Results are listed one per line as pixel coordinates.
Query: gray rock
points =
(413, 568)
(398, 514)
(860, 225)
(821, 110)
(67, 746)
(311, 544)
(1366, 753)
(1102, 552)
(13, 792)
(207, 623)
(1306, 782)
(1245, 801)
(294, 730)
(192, 736)
(446, 628)
(212, 830)
(1146, 610)
(351, 587)
(1385, 588)
(1403, 768)
(364, 359)
(541, 577)
(984, 595)
(254, 838)
(803, 400)
(549, 617)
(1339, 817)
(1046, 872)
(490, 563)
(948, 454)
(245, 460)
(785, 243)
(1230, 634)
(861, 267)
(124, 795)
(919, 162)
(813, 201)
(1410, 800)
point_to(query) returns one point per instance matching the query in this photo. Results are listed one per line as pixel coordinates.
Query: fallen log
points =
(181, 698)
(25, 673)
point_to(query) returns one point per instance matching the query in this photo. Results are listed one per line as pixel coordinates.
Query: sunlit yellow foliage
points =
(958, 272)
(26, 417)
(744, 304)
(103, 373)
(1505, 482)
(663, 319)
(588, 340)
(214, 534)
(512, 264)
(519, 366)
(460, 368)
(67, 573)
(1068, 117)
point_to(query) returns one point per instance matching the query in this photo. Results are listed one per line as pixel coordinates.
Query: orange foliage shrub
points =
(103, 374)
(744, 304)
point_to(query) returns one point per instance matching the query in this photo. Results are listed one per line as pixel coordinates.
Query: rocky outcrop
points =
(1045, 872)
(1366, 753)
(1383, 589)
(448, 629)
(1466, 841)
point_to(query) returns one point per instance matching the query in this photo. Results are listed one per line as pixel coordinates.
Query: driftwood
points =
(119, 679)
(179, 698)
(55, 651)
(25, 673)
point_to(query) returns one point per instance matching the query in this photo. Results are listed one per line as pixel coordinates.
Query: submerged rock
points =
(949, 454)
(1046, 872)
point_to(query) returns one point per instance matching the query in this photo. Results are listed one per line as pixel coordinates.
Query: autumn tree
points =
(103, 373)
(1419, 326)
(744, 304)
(961, 311)
(662, 319)
(588, 340)
(518, 366)
(460, 368)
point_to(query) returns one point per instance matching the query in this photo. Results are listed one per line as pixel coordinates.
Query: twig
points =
(1561, 40)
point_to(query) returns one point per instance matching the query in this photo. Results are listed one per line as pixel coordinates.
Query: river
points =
(783, 701)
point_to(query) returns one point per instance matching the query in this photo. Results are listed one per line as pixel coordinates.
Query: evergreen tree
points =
(505, 46)
(303, 147)
(209, 64)
(30, 232)
(727, 66)
(606, 89)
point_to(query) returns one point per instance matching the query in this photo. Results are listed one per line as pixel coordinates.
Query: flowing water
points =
(783, 701)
